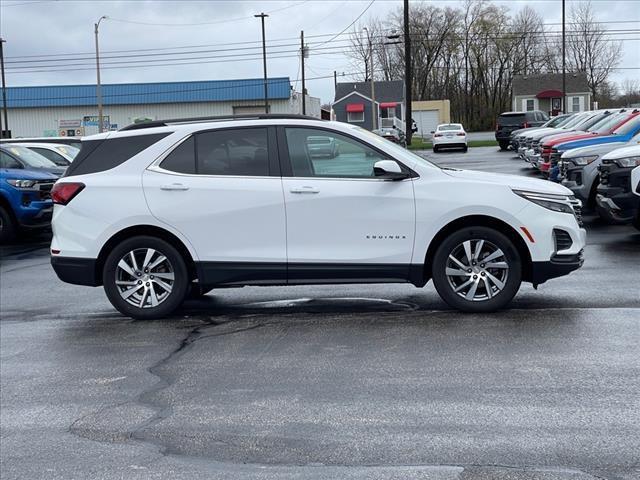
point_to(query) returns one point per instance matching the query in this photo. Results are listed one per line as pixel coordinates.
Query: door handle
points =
(174, 186)
(305, 189)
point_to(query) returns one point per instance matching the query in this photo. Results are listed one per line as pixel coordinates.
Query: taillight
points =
(525, 125)
(63, 193)
(437, 135)
(461, 134)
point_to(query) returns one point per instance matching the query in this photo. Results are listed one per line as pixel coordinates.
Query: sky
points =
(50, 30)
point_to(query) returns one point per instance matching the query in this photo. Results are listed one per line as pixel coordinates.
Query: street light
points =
(373, 93)
(262, 16)
(98, 86)
(4, 96)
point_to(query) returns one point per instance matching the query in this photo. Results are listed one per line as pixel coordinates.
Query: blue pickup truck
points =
(25, 197)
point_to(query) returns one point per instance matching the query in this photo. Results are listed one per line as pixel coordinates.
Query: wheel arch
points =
(6, 204)
(479, 221)
(146, 230)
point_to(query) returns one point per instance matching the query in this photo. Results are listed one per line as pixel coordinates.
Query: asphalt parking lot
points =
(375, 381)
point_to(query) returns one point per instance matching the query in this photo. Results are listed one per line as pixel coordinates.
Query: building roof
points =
(534, 84)
(148, 93)
(389, 91)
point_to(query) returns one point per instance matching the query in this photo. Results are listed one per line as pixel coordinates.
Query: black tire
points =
(179, 269)
(435, 149)
(504, 146)
(464, 149)
(636, 221)
(7, 226)
(497, 299)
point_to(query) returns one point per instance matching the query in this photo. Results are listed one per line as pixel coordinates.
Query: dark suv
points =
(509, 121)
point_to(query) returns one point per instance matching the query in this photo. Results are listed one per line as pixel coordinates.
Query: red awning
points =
(388, 104)
(549, 94)
(355, 107)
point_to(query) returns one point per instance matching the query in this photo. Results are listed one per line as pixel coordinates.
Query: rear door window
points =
(233, 152)
(511, 119)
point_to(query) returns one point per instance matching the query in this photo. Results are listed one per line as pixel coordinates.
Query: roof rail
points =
(177, 121)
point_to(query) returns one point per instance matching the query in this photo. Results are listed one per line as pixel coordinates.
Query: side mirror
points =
(389, 169)
(433, 131)
(635, 180)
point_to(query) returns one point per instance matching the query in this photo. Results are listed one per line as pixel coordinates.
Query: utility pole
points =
(4, 95)
(303, 54)
(373, 92)
(98, 85)
(408, 80)
(262, 16)
(564, 66)
(335, 81)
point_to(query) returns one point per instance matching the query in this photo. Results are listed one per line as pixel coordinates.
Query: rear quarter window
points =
(101, 155)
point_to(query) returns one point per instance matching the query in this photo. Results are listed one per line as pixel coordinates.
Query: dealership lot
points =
(327, 382)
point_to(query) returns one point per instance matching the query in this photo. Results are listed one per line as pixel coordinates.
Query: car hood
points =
(28, 174)
(632, 151)
(512, 181)
(592, 150)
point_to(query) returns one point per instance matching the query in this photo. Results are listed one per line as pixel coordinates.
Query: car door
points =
(222, 190)
(343, 222)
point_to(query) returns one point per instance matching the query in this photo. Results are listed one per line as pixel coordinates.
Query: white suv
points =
(160, 211)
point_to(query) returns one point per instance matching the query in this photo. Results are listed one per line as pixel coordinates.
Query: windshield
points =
(607, 123)
(30, 157)
(589, 120)
(449, 127)
(628, 127)
(557, 121)
(576, 119)
(68, 150)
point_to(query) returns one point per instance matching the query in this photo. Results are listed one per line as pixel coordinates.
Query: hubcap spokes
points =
(144, 277)
(477, 270)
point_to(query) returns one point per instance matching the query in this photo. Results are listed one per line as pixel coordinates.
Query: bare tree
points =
(588, 49)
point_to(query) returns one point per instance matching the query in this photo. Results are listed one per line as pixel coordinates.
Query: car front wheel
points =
(145, 278)
(7, 228)
(477, 269)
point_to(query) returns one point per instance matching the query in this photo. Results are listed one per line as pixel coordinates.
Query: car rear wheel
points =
(504, 146)
(145, 278)
(7, 227)
(435, 149)
(477, 269)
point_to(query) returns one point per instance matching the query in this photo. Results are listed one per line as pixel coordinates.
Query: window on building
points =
(575, 104)
(237, 152)
(530, 104)
(355, 117)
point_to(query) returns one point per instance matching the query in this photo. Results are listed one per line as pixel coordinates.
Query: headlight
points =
(581, 161)
(18, 183)
(628, 162)
(557, 203)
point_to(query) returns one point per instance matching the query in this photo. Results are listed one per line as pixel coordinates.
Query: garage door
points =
(426, 121)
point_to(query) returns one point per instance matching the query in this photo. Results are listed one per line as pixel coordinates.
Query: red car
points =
(604, 126)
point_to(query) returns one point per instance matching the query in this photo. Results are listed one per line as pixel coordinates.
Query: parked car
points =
(529, 144)
(509, 121)
(578, 169)
(30, 160)
(72, 141)
(60, 154)
(449, 135)
(553, 122)
(392, 134)
(167, 217)
(321, 146)
(25, 198)
(616, 200)
(623, 134)
(605, 126)
(635, 187)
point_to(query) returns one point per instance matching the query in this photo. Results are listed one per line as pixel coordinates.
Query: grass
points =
(418, 143)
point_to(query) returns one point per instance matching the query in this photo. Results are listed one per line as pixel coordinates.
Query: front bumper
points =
(77, 271)
(558, 266)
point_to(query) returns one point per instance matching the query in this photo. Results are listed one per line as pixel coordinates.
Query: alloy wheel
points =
(477, 270)
(144, 277)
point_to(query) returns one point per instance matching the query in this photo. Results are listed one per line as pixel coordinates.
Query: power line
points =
(351, 24)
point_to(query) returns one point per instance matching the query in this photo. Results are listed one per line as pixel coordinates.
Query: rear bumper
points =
(77, 271)
(558, 266)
